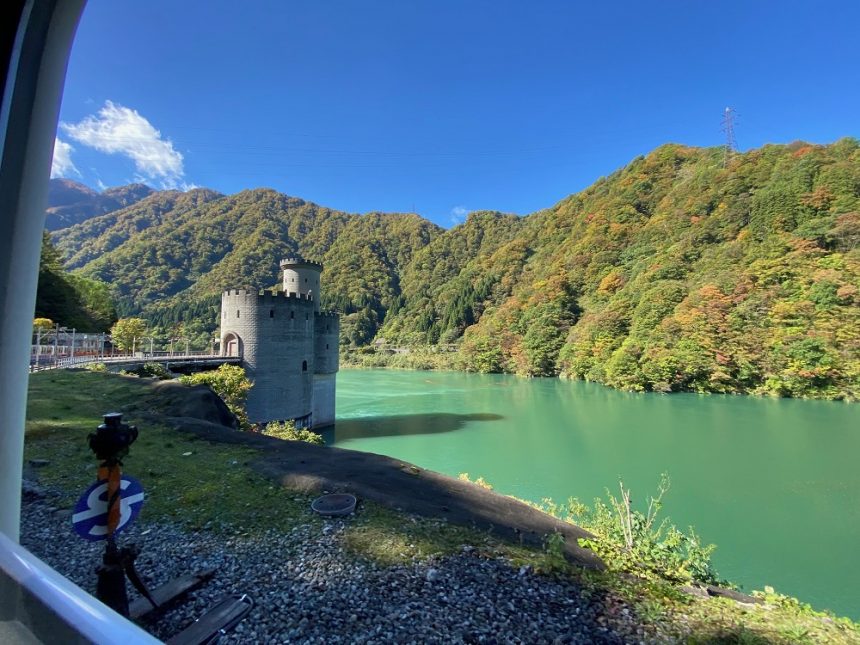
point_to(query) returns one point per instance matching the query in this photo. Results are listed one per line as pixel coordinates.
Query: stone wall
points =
(276, 331)
(324, 400)
(326, 338)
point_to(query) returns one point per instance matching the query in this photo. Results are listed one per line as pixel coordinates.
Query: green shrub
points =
(230, 383)
(153, 370)
(287, 430)
(96, 367)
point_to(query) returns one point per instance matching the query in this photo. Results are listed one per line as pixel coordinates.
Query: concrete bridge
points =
(184, 363)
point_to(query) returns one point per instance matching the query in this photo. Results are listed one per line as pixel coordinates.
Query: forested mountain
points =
(171, 255)
(70, 203)
(681, 271)
(71, 300)
(98, 236)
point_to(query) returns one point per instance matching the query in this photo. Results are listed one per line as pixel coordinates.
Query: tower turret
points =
(303, 277)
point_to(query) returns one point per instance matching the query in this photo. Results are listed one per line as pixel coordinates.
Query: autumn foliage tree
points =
(126, 332)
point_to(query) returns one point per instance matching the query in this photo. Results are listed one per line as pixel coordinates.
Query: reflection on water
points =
(401, 425)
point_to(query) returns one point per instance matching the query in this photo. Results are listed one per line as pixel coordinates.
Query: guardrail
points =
(64, 362)
(54, 609)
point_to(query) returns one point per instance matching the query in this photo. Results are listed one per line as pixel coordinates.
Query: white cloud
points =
(458, 214)
(116, 129)
(62, 165)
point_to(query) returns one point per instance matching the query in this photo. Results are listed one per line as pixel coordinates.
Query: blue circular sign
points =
(89, 518)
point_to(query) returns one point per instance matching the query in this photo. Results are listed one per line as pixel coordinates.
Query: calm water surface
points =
(774, 483)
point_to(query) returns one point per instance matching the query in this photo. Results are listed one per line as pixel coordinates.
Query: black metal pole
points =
(110, 588)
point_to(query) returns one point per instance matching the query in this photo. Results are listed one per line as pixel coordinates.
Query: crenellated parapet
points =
(298, 261)
(265, 296)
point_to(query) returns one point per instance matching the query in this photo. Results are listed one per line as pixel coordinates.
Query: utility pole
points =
(731, 146)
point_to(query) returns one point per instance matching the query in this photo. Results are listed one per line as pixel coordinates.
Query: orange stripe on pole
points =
(113, 475)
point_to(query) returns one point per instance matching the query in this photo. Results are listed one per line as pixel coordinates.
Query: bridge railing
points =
(64, 362)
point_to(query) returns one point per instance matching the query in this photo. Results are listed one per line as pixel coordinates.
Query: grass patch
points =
(389, 538)
(212, 487)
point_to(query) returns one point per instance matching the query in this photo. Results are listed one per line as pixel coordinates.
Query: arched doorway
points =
(231, 345)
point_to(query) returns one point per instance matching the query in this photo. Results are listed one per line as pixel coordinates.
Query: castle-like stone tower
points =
(288, 347)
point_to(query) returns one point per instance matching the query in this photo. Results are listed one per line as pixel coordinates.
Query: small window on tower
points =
(271, 313)
(326, 345)
(306, 280)
(304, 366)
(292, 315)
(237, 313)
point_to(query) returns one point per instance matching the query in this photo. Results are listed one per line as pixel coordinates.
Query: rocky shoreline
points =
(308, 589)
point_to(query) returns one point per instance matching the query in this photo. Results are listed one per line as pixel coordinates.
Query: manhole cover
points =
(334, 504)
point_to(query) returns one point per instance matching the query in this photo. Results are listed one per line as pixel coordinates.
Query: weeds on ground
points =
(388, 538)
(632, 540)
(480, 481)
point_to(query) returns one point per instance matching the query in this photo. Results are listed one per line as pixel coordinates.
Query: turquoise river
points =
(775, 484)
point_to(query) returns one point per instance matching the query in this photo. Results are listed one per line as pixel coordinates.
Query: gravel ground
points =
(308, 590)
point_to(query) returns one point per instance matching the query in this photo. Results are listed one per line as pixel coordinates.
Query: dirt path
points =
(396, 484)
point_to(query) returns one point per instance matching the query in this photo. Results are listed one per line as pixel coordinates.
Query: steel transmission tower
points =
(731, 146)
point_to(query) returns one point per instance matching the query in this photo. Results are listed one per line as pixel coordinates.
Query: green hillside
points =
(445, 287)
(171, 255)
(677, 272)
(71, 300)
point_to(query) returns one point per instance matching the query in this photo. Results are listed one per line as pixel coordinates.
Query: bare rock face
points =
(192, 401)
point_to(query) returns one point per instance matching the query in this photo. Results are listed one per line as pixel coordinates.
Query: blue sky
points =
(440, 107)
